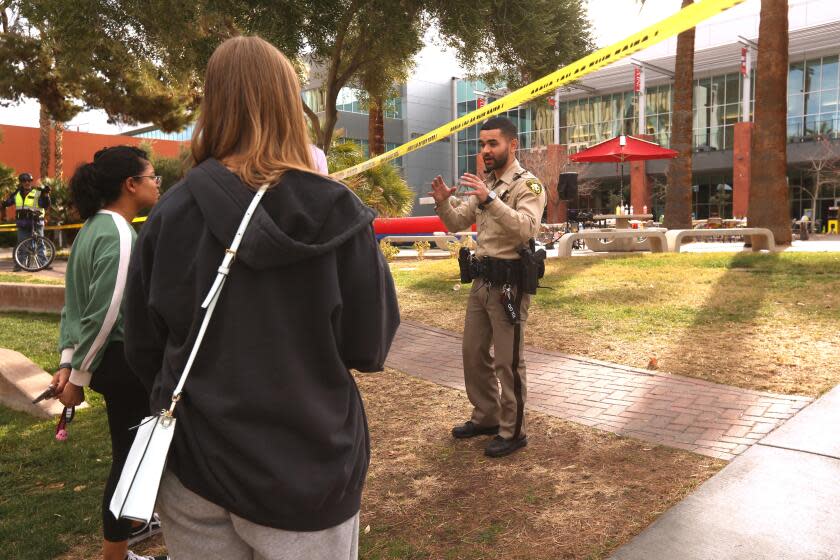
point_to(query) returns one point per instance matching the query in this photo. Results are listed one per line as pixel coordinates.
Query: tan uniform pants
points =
(486, 324)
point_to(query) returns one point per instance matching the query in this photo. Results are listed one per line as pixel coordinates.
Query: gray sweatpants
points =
(195, 529)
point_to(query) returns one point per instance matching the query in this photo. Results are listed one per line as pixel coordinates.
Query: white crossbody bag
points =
(136, 492)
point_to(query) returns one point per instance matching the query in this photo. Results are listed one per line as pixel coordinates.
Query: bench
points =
(760, 238)
(655, 236)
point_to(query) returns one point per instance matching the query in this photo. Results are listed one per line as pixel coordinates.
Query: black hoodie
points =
(271, 425)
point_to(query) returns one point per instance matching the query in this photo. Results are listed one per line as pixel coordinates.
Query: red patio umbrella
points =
(620, 149)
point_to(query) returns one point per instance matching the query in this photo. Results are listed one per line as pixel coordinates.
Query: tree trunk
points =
(678, 195)
(769, 203)
(376, 127)
(59, 149)
(44, 124)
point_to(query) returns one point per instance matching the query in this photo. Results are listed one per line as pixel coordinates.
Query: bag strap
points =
(213, 295)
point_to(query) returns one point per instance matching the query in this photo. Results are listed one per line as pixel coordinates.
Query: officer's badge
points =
(535, 186)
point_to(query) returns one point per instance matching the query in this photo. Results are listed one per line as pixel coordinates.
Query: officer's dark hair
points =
(504, 124)
(96, 184)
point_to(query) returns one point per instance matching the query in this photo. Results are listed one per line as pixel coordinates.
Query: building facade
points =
(629, 97)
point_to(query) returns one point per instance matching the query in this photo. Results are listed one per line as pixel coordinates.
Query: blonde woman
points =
(271, 450)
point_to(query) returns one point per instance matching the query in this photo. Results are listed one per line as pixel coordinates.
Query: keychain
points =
(507, 303)
(65, 418)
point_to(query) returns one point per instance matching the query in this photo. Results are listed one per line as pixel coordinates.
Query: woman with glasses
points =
(108, 193)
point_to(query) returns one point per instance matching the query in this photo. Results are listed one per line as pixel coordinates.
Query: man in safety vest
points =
(30, 202)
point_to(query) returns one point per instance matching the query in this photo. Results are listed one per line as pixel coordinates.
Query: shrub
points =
(388, 250)
(421, 247)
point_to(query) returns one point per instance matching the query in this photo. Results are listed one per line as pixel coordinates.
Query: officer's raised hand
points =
(440, 192)
(478, 187)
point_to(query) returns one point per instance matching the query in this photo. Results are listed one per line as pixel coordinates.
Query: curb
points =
(34, 298)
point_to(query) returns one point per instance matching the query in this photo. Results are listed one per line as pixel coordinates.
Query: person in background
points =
(108, 193)
(319, 159)
(30, 204)
(271, 449)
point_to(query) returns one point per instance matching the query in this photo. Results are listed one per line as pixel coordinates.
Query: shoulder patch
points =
(535, 186)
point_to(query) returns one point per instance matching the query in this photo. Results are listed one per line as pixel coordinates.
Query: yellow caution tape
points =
(13, 227)
(685, 19)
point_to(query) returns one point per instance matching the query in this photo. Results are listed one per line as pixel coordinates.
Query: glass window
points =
(733, 94)
(794, 128)
(812, 75)
(718, 90)
(825, 124)
(828, 100)
(810, 126)
(728, 137)
(812, 103)
(829, 72)
(795, 77)
(795, 105)
(731, 113)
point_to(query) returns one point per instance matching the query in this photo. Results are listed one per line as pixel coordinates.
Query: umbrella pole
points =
(621, 184)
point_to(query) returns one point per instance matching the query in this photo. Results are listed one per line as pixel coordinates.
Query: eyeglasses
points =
(157, 178)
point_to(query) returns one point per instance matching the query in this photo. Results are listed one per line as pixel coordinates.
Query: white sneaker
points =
(132, 556)
(148, 530)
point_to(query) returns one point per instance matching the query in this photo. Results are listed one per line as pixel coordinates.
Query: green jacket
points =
(95, 280)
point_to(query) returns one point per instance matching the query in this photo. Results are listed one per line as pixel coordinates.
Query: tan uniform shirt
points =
(505, 225)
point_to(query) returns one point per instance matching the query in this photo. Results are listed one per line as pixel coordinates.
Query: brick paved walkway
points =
(707, 418)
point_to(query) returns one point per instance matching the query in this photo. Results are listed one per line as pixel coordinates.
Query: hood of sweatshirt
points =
(300, 217)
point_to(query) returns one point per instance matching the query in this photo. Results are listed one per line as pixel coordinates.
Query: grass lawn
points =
(766, 322)
(573, 493)
(26, 278)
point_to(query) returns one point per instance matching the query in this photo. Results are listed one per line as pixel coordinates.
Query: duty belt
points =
(498, 271)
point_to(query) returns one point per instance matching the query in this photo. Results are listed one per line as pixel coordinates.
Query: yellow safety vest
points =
(30, 201)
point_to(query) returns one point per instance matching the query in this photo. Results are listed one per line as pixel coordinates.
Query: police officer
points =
(30, 204)
(506, 207)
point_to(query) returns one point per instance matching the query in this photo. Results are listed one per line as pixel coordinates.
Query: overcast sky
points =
(612, 20)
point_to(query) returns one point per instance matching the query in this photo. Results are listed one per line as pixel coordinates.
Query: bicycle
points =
(35, 252)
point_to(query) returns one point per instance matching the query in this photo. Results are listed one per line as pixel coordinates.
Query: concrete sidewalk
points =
(779, 500)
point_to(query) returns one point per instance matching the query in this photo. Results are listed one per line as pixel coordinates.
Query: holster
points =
(532, 267)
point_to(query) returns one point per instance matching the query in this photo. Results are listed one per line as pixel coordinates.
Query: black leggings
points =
(126, 403)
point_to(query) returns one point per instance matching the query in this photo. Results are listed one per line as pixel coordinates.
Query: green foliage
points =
(453, 247)
(382, 188)
(61, 210)
(92, 53)
(8, 180)
(388, 250)
(421, 247)
(170, 169)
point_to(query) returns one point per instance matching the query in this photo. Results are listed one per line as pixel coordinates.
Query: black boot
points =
(468, 430)
(499, 446)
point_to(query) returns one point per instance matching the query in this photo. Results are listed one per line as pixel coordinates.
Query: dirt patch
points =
(574, 492)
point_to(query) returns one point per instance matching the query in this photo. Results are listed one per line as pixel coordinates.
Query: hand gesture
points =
(440, 192)
(479, 189)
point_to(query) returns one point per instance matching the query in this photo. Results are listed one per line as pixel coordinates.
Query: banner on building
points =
(743, 61)
(637, 79)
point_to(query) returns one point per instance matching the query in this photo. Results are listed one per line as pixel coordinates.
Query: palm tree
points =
(44, 122)
(58, 127)
(382, 188)
(769, 201)
(678, 194)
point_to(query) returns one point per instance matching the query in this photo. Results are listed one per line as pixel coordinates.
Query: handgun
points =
(47, 394)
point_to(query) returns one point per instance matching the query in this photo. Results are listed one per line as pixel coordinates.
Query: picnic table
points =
(624, 244)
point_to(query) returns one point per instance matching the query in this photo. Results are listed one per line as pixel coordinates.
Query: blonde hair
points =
(251, 118)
